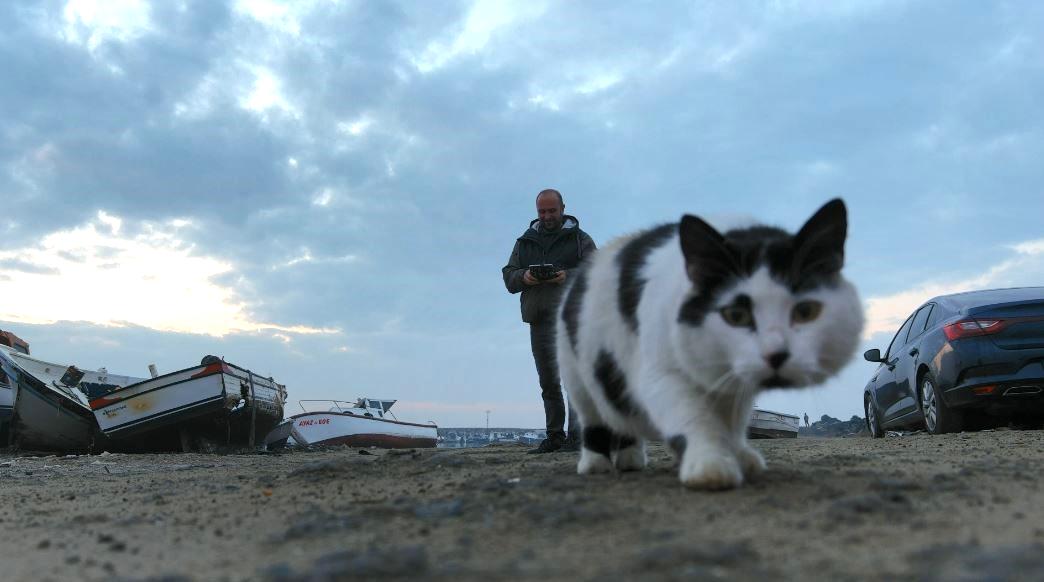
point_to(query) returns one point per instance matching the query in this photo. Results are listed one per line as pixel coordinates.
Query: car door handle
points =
(914, 352)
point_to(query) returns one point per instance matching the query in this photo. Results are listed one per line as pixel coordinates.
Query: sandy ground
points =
(967, 506)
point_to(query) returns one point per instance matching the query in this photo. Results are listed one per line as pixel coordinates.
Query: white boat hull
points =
(767, 424)
(216, 398)
(343, 428)
(153, 403)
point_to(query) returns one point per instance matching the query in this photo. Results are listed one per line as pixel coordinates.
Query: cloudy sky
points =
(325, 191)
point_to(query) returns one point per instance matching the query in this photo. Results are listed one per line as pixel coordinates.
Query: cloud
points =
(266, 94)
(93, 22)
(277, 17)
(17, 265)
(306, 258)
(886, 313)
(483, 21)
(152, 278)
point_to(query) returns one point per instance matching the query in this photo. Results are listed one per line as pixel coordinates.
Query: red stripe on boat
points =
(215, 368)
(103, 401)
(383, 441)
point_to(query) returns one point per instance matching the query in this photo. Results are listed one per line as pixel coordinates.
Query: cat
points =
(671, 332)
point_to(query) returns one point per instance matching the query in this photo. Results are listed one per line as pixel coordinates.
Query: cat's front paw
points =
(712, 471)
(632, 458)
(593, 463)
(751, 461)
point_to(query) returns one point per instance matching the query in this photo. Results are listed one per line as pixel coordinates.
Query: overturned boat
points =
(767, 424)
(214, 403)
(7, 389)
(6, 407)
(49, 409)
(279, 436)
(364, 423)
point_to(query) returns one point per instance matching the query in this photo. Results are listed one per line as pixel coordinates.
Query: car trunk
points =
(1024, 323)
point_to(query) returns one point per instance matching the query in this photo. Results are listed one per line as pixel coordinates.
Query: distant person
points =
(554, 238)
(806, 420)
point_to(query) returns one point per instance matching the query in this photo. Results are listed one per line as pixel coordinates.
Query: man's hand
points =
(560, 278)
(529, 279)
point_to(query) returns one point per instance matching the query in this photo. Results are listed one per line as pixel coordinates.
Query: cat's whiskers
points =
(714, 389)
(740, 393)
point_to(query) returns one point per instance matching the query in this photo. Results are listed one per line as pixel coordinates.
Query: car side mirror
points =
(873, 355)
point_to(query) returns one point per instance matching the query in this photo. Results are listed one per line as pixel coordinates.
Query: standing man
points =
(553, 238)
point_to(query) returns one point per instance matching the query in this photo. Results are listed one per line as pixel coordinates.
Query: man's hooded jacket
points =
(564, 248)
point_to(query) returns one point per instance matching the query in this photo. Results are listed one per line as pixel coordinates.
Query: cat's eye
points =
(806, 311)
(737, 316)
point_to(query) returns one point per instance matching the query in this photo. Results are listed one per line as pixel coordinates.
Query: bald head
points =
(551, 192)
(550, 209)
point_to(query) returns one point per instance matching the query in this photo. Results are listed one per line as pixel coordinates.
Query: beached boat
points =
(49, 405)
(364, 423)
(216, 401)
(6, 388)
(279, 436)
(766, 424)
(6, 407)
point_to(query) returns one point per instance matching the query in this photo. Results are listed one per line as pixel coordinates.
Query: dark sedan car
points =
(962, 357)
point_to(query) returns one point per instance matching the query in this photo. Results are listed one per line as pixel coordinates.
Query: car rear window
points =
(919, 320)
(933, 319)
(900, 338)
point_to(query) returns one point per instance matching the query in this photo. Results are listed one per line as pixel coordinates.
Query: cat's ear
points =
(819, 247)
(704, 250)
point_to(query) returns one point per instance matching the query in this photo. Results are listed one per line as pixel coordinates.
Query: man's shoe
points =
(548, 445)
(571, 445)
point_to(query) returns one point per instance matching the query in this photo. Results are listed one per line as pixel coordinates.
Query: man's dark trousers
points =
(542, 340)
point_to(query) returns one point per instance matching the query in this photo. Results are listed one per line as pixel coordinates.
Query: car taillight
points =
(972, 327)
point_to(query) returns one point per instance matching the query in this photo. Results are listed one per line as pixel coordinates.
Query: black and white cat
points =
(670, 333)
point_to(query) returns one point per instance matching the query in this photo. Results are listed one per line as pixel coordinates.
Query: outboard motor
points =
(72, 376)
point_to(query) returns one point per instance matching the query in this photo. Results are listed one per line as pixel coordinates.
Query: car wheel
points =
(873, 424)
(938, 417)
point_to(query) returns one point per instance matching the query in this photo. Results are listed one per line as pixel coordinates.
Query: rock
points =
(409, 562)
(318, 467)
(972, 562)
(713, 553)
(315, 525)
(280, 572)
(888, 485)
(439, 509)
(449, 460)
(893, 503)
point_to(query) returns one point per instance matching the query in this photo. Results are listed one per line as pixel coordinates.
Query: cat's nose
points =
(777, 359)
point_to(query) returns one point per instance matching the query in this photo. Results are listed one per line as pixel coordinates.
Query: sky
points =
(325, 191)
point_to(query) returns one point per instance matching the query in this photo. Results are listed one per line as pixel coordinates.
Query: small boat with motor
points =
(367, 422)
(767, 424)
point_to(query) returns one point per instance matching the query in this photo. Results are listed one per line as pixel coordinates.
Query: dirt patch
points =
(917, 507)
